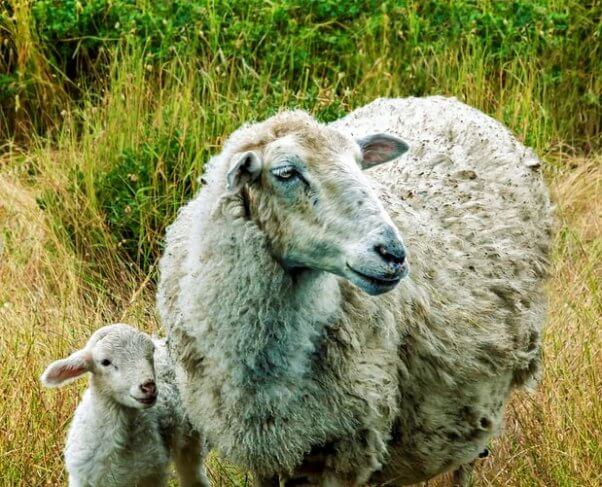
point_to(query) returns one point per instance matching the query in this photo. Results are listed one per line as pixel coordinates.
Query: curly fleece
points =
(284, 374)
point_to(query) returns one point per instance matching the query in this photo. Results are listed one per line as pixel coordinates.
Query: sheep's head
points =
(303, 185)
(120, 359)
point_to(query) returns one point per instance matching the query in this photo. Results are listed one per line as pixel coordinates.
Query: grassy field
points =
(103, 134)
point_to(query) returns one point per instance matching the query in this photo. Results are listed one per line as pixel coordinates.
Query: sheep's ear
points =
(244, 169)
(380, 148)
(66, 370)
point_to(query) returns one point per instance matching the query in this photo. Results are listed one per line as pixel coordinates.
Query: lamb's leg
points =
(189, 464)
(463, 475)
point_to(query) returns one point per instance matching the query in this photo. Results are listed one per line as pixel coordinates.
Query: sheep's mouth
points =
(147, 401)
(375, 284)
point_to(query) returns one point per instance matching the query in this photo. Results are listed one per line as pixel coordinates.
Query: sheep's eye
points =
(285, 173)
(106, 362)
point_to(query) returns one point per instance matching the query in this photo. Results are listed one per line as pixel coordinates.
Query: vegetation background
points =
(109, 110)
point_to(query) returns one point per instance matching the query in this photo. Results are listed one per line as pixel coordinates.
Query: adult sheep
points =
(304, 348)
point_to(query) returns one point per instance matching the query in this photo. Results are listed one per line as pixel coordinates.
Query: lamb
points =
(130, 417)
(313, 345)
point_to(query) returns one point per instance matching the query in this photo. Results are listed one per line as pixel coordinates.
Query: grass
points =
(552, 437)
(89, 180)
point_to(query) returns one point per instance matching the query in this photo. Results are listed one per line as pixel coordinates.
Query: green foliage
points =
(79, 31)
(171, 79)
(136, 192)
(325, 32)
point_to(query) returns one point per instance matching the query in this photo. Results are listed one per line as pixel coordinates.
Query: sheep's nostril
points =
(394, 254)
(149, 388)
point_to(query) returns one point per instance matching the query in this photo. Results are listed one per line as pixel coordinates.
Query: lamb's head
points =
(120, 359)
(302, 183)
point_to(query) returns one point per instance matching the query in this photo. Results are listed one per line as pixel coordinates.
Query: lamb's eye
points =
(105, 363)
(285, 173)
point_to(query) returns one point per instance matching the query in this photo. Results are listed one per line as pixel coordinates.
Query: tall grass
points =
(93, 168)
(47, 308)
(134, 152)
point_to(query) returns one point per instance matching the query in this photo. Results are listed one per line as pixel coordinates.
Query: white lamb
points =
(130, 417)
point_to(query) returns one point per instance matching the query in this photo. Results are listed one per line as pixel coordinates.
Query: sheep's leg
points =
(326, 480)
(463, 476)
(332, 480)
(189, 465)
(159, 480)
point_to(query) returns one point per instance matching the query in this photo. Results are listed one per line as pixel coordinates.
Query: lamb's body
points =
(113, 442)
(115, 446)
(110, 445)
(274, 366)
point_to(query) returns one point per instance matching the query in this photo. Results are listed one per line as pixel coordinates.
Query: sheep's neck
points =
(258, 320)
(277, 338)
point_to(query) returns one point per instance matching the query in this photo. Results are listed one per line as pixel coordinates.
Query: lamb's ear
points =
(66, 370)
(245, 168)
(380, 148)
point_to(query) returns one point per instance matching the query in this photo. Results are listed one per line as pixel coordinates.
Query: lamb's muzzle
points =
(149, 393)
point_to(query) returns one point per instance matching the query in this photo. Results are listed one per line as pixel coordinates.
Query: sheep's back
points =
(475, 214)
(465, 173)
